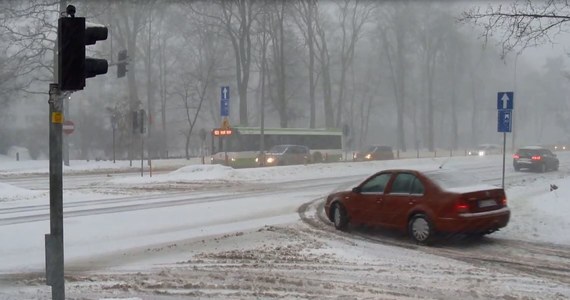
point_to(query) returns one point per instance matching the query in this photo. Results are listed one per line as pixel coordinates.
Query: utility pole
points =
(73, 67)
(54, 240)
(513, 141)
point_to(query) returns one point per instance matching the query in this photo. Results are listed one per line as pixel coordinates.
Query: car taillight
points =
(461, 207)
(516, 156)
(537, 157)
(504, 201)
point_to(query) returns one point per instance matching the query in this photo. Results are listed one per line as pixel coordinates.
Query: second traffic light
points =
(73, 66)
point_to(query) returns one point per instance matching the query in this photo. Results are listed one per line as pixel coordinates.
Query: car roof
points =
(419, 170)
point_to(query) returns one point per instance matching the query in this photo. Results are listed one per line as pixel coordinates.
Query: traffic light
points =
(122, 63)
(139, 121)
(73, 66)
(143, 121)
(135, 120)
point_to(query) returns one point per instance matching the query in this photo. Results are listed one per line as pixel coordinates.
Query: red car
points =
(421, 203)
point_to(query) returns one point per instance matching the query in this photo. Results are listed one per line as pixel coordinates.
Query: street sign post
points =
(225, 123)
(505, 106)
(225, 113)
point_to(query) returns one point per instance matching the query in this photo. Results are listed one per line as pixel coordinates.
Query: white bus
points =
(244, 144)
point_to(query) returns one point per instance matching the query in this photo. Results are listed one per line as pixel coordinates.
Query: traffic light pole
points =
(54, 240)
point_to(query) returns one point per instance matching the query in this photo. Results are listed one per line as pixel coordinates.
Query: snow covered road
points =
(215, 232)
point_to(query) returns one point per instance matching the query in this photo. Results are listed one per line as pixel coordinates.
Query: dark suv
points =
(535, 158)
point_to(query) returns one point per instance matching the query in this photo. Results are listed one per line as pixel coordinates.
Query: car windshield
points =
(452, 179)
(278, 149)
(379, 149)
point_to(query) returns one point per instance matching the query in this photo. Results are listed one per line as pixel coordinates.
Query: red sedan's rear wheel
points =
(420, 229)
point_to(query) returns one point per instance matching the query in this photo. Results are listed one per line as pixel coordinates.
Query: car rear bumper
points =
(475, 222)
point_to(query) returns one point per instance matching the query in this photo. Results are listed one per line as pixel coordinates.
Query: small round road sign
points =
(68, 127)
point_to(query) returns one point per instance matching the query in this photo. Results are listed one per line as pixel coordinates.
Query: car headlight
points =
(481, 153)
(270, 160)
(233, 159)
(368, 156)
(257, 159)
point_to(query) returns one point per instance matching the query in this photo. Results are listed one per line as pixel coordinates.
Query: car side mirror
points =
(356, 190)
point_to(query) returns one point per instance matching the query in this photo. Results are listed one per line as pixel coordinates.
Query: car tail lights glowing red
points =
(504, 201)
(461, 207)
(536, 157)
(516, 156)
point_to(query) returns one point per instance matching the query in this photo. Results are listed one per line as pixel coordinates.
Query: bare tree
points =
(325, 68)
(307, 10)
(353, 15)
(433, 31)
(236, 18)
(30, 45)
(394, 30)
(277, 34)
(520, 24)
(195, 74)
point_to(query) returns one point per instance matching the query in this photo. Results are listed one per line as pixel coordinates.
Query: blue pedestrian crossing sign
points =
(225, 101)
(505, 120)
(505, 100)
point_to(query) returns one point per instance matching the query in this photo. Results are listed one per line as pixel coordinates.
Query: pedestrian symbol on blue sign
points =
(505, 100)
(225, 101)
(505, 120)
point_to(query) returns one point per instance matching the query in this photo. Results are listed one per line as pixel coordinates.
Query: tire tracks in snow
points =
(543, 260)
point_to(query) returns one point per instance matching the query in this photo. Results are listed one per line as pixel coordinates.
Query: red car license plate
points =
(487, 203)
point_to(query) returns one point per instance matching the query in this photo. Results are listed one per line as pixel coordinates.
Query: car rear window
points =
(452, 179)
(528, 152)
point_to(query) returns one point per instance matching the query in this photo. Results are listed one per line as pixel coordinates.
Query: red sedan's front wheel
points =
(340, 217)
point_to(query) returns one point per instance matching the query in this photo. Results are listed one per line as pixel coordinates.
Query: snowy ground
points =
(256, 234)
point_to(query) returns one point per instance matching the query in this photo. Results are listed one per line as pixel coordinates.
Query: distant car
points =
(421, 203)
(485, 149)
(560, 146)
(375, 152)
(535, 158)
(281, 155)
